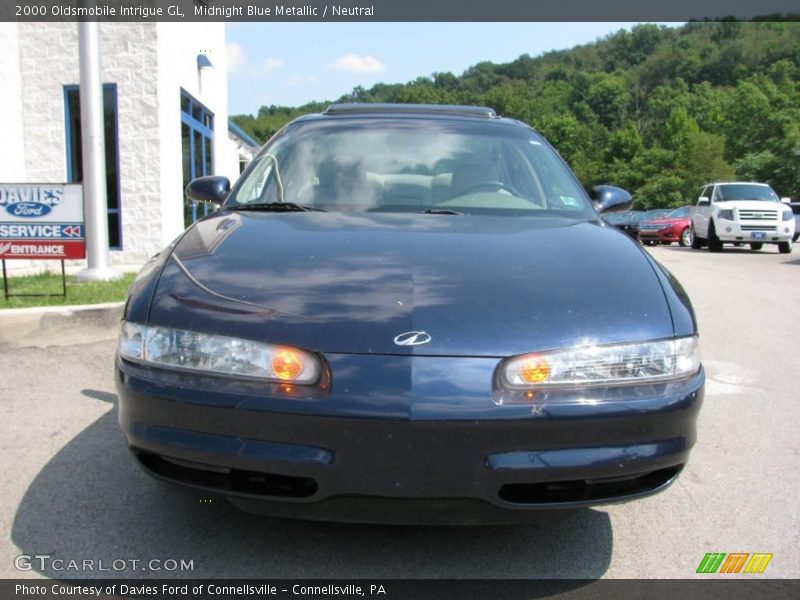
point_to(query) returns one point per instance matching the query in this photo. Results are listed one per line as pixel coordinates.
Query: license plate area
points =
(758, 235)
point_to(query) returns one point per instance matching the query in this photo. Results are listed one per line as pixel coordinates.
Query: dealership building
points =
(165, 115)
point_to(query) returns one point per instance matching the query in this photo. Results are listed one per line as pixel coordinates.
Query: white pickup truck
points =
(741, 213)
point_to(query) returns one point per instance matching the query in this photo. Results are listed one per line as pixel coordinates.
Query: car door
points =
(702, 210)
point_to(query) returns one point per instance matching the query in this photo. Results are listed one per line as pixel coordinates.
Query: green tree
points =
(659, 110)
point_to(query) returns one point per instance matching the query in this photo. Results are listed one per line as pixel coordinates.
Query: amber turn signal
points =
(534, 370)
(287, 365)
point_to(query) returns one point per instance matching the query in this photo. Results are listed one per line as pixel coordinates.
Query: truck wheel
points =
(784, 247)
(687, 237)
(714, 243)
(756, 245)
(697, 242)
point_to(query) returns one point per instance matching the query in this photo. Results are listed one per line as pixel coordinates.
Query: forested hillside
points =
(656, 110)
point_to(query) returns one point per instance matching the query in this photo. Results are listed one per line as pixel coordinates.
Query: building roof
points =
(238, 132)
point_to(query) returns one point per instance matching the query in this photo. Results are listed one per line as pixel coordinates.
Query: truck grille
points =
(758, 215)
(757, 227)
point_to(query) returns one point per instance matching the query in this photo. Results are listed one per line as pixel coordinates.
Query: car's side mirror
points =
(212, 189)
(786, 200)
(608, 198)
(703, 201)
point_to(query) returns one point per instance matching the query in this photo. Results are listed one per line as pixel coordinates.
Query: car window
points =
(402, 165)
(253, 188)
(703, 193)
(745, 191)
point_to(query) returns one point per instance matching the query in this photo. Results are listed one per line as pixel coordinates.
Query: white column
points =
(95, 202)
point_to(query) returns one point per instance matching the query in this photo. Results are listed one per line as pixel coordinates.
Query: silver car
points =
(796, 210)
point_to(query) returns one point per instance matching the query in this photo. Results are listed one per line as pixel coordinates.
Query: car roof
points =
(403, 109)
(735, 183)
(365, 110)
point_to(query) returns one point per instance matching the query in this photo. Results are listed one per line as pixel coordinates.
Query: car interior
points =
(414, 173)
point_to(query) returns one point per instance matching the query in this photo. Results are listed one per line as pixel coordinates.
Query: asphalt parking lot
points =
(71, 491)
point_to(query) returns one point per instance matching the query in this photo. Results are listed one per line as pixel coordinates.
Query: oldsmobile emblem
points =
(412, 338)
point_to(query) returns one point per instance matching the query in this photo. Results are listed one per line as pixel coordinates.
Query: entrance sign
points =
(41, 221)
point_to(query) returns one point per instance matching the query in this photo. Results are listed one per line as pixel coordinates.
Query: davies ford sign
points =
(41, 220)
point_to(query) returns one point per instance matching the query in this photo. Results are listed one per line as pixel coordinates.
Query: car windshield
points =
(683, 211)
(745, 191)
(406, 165)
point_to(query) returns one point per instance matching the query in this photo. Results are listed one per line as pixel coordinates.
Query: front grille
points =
(757, 227)
(650, 227)
(758, 215)
(584, 490)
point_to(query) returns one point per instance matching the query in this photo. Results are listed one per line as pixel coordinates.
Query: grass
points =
(77, 293)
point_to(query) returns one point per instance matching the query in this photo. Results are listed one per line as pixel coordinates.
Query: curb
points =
(59, 325)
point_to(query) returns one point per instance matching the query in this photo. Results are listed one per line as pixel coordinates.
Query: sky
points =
(290, 64)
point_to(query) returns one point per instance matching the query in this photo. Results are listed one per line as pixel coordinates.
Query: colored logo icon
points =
(734, 562)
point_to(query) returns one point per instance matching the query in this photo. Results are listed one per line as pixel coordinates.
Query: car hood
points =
(351, 283)
(750, 204)
(668, 221)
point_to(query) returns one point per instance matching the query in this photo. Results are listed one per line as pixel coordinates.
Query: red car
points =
(673, 227)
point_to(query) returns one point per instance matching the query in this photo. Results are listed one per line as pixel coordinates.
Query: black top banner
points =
(394, 10)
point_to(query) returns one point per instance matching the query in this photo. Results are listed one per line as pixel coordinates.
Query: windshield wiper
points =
(440, 211)
(276, 207)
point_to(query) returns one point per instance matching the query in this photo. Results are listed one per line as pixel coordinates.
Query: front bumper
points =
(768, 233)
(400, 457)
(669, 235)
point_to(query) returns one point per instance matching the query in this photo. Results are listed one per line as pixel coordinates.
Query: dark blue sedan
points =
(409, 314)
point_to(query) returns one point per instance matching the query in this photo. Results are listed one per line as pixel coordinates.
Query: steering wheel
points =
(491, 186)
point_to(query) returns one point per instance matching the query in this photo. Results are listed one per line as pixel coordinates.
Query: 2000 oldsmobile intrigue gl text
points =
(409, 313)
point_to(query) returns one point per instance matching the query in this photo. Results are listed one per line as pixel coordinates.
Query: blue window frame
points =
(72, 119)
(197, 140)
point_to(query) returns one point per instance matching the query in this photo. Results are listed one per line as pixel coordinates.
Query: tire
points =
(697, 242)
(756, 245)
(714, 243)
(796, 235)
(784, 247)
(686, 238)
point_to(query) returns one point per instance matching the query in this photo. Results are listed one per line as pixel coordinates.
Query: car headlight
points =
(217, 354)
(726, 214)
(787, 215)
(603, 365)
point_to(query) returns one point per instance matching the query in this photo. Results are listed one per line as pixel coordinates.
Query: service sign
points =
(41, 220)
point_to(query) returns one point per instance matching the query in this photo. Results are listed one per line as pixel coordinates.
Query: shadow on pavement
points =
(91, 501)
(729, 250)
